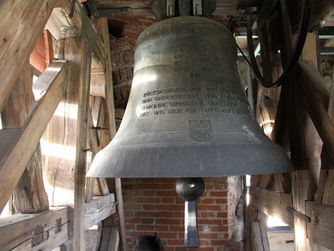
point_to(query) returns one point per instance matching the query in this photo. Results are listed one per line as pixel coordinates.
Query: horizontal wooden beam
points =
(21, 149)
(321, 227)
(50, 229)
(69, 20)
(273, 203)
(143, 8)
(42, 231)
(99, 208)
(21, 25)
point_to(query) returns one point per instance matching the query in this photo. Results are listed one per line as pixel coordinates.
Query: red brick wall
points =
(152, 207)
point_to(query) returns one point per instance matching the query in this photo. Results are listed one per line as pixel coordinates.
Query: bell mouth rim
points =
(170, 163)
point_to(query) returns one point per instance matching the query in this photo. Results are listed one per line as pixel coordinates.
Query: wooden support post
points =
(259, 233)
(103, 28)
(18, 154)
(118, 185)
(29, 195)
(304, 181)
(81, 147)
(18, 38)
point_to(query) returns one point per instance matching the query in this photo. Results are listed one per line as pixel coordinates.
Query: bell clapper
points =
(190, 189)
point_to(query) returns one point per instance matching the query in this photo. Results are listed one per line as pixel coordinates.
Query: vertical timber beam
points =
(18, 37)
(102, 26)
(81, 148)
(304, 181)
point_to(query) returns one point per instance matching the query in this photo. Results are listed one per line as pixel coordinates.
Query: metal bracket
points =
(39, 235)
(58, 225)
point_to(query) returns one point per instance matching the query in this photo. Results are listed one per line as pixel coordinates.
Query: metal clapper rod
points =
(190, 224)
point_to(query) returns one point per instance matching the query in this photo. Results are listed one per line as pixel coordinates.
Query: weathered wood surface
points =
(98, 83)
(61, 133)
(29, 195)
(260, 239)
(321, 227)
(143, 8)
(19, 35)
(311, 81)
(42, 231)
(99, 208)
(71, 21)
(52, 228)
(119, 194)
(110, 238)
(18, 155)
(83, 79)
(304, 182)
(273, 203)
(102, 26)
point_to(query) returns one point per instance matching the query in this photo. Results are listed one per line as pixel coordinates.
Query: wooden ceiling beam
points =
(143, 8)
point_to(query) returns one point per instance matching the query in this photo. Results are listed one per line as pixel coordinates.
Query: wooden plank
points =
(18, 37)
(110, 238)
(260, 239)
(98, 82)
(29, 195)
(51, 228)
(273, 203)
(81, 148)
(321, 227)
(42, 231)
(120, 205)
(66, 21)
(17, 157)
(94, 146)
(102, 26)
(143, 8)
(99, 208)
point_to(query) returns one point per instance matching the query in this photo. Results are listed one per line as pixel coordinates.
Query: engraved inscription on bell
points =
(192, 100)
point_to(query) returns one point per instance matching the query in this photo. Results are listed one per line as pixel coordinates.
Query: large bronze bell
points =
(187, 115)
